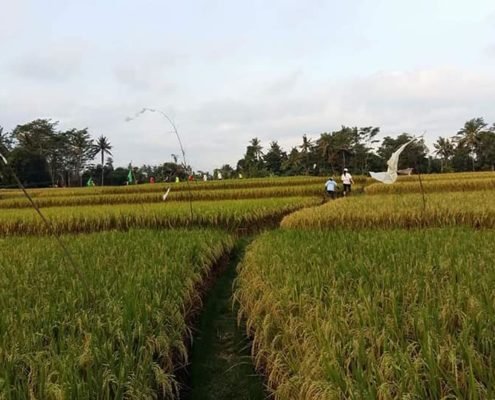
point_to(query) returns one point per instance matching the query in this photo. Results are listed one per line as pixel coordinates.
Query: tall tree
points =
(274, 158)
(413, 156)
(340, 148)
(292, 165)
(38, 138)
(82, 150)
(485, 150)
(325, 146)
(256, 148)
(306, 152)
(103, 147)
(252, 164)
(5, 142)
(444, 148)
(468, 136)
(363, 149)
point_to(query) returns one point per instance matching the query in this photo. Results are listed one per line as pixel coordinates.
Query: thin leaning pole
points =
(171, 122)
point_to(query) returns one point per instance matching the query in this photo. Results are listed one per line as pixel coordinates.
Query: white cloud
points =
(490, 50)
(56, 63)
(437, 101)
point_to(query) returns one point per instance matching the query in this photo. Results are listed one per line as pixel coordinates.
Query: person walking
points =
(331, 186)
(347, 181)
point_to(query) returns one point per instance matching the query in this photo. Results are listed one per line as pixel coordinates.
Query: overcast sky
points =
(227, 71)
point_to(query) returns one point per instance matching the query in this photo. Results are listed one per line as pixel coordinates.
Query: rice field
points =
(227, 214)
(175, 187)
(372, 314)
(384, 294)
(475, 209)
(156, 197)
(474, 183)
(127, 339)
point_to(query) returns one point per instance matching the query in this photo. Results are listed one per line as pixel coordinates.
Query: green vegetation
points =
(127, 338)
(154, 197)
(372, 314)
(221, 366)
(476, 209)
(227, 214)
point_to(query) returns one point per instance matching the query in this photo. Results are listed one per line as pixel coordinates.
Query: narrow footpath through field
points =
(220, 365)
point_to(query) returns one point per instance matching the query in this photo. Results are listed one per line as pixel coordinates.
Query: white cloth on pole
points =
(390, 176)
(164, 197)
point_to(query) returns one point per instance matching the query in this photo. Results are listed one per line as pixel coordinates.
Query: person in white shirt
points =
(331, 186)
(347, 181)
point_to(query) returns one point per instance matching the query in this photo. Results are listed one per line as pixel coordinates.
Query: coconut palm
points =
(444, 149)
(468, 136)
(256, 148)
(306, 148)
(103, 147)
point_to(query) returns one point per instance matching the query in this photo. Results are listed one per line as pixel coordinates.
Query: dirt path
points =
(220, 363)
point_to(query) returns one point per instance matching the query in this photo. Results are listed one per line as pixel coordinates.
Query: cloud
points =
(437, 101)
(138, 78)
(50, 64)
(13, 13)
(490, 50)
(284, 84)
(216, 131)
(149, 71)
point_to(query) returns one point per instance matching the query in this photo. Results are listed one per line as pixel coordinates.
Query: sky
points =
(228, 71)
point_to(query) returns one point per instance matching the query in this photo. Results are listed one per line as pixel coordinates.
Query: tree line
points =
(42, 155)
(472, 148)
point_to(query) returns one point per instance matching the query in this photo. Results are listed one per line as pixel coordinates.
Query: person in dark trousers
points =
(331, 186)
(347, 181)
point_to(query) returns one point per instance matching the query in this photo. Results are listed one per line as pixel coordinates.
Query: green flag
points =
(90, 182)
(129, 177)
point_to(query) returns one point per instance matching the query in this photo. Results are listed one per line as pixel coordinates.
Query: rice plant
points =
(475, 209)
(128, 340)
(154, 197)
(372, 314)
(228, 214)
(234, 184)
(436, 185)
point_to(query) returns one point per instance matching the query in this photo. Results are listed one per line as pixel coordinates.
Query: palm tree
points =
(306, 147)
(326, 147)
(469, 134)
(444, 149)
(103, 146)
(256, 148)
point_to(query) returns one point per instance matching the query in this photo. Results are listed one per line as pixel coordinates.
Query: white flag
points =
(164, 197)
(390, 176)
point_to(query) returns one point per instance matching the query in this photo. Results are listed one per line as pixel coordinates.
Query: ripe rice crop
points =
(153, 197)
(162, 187)
(476, 209)
(372, 314)
(430, 186)
(228, 214)
(176, 187)
(447, 176)
(127, 341)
